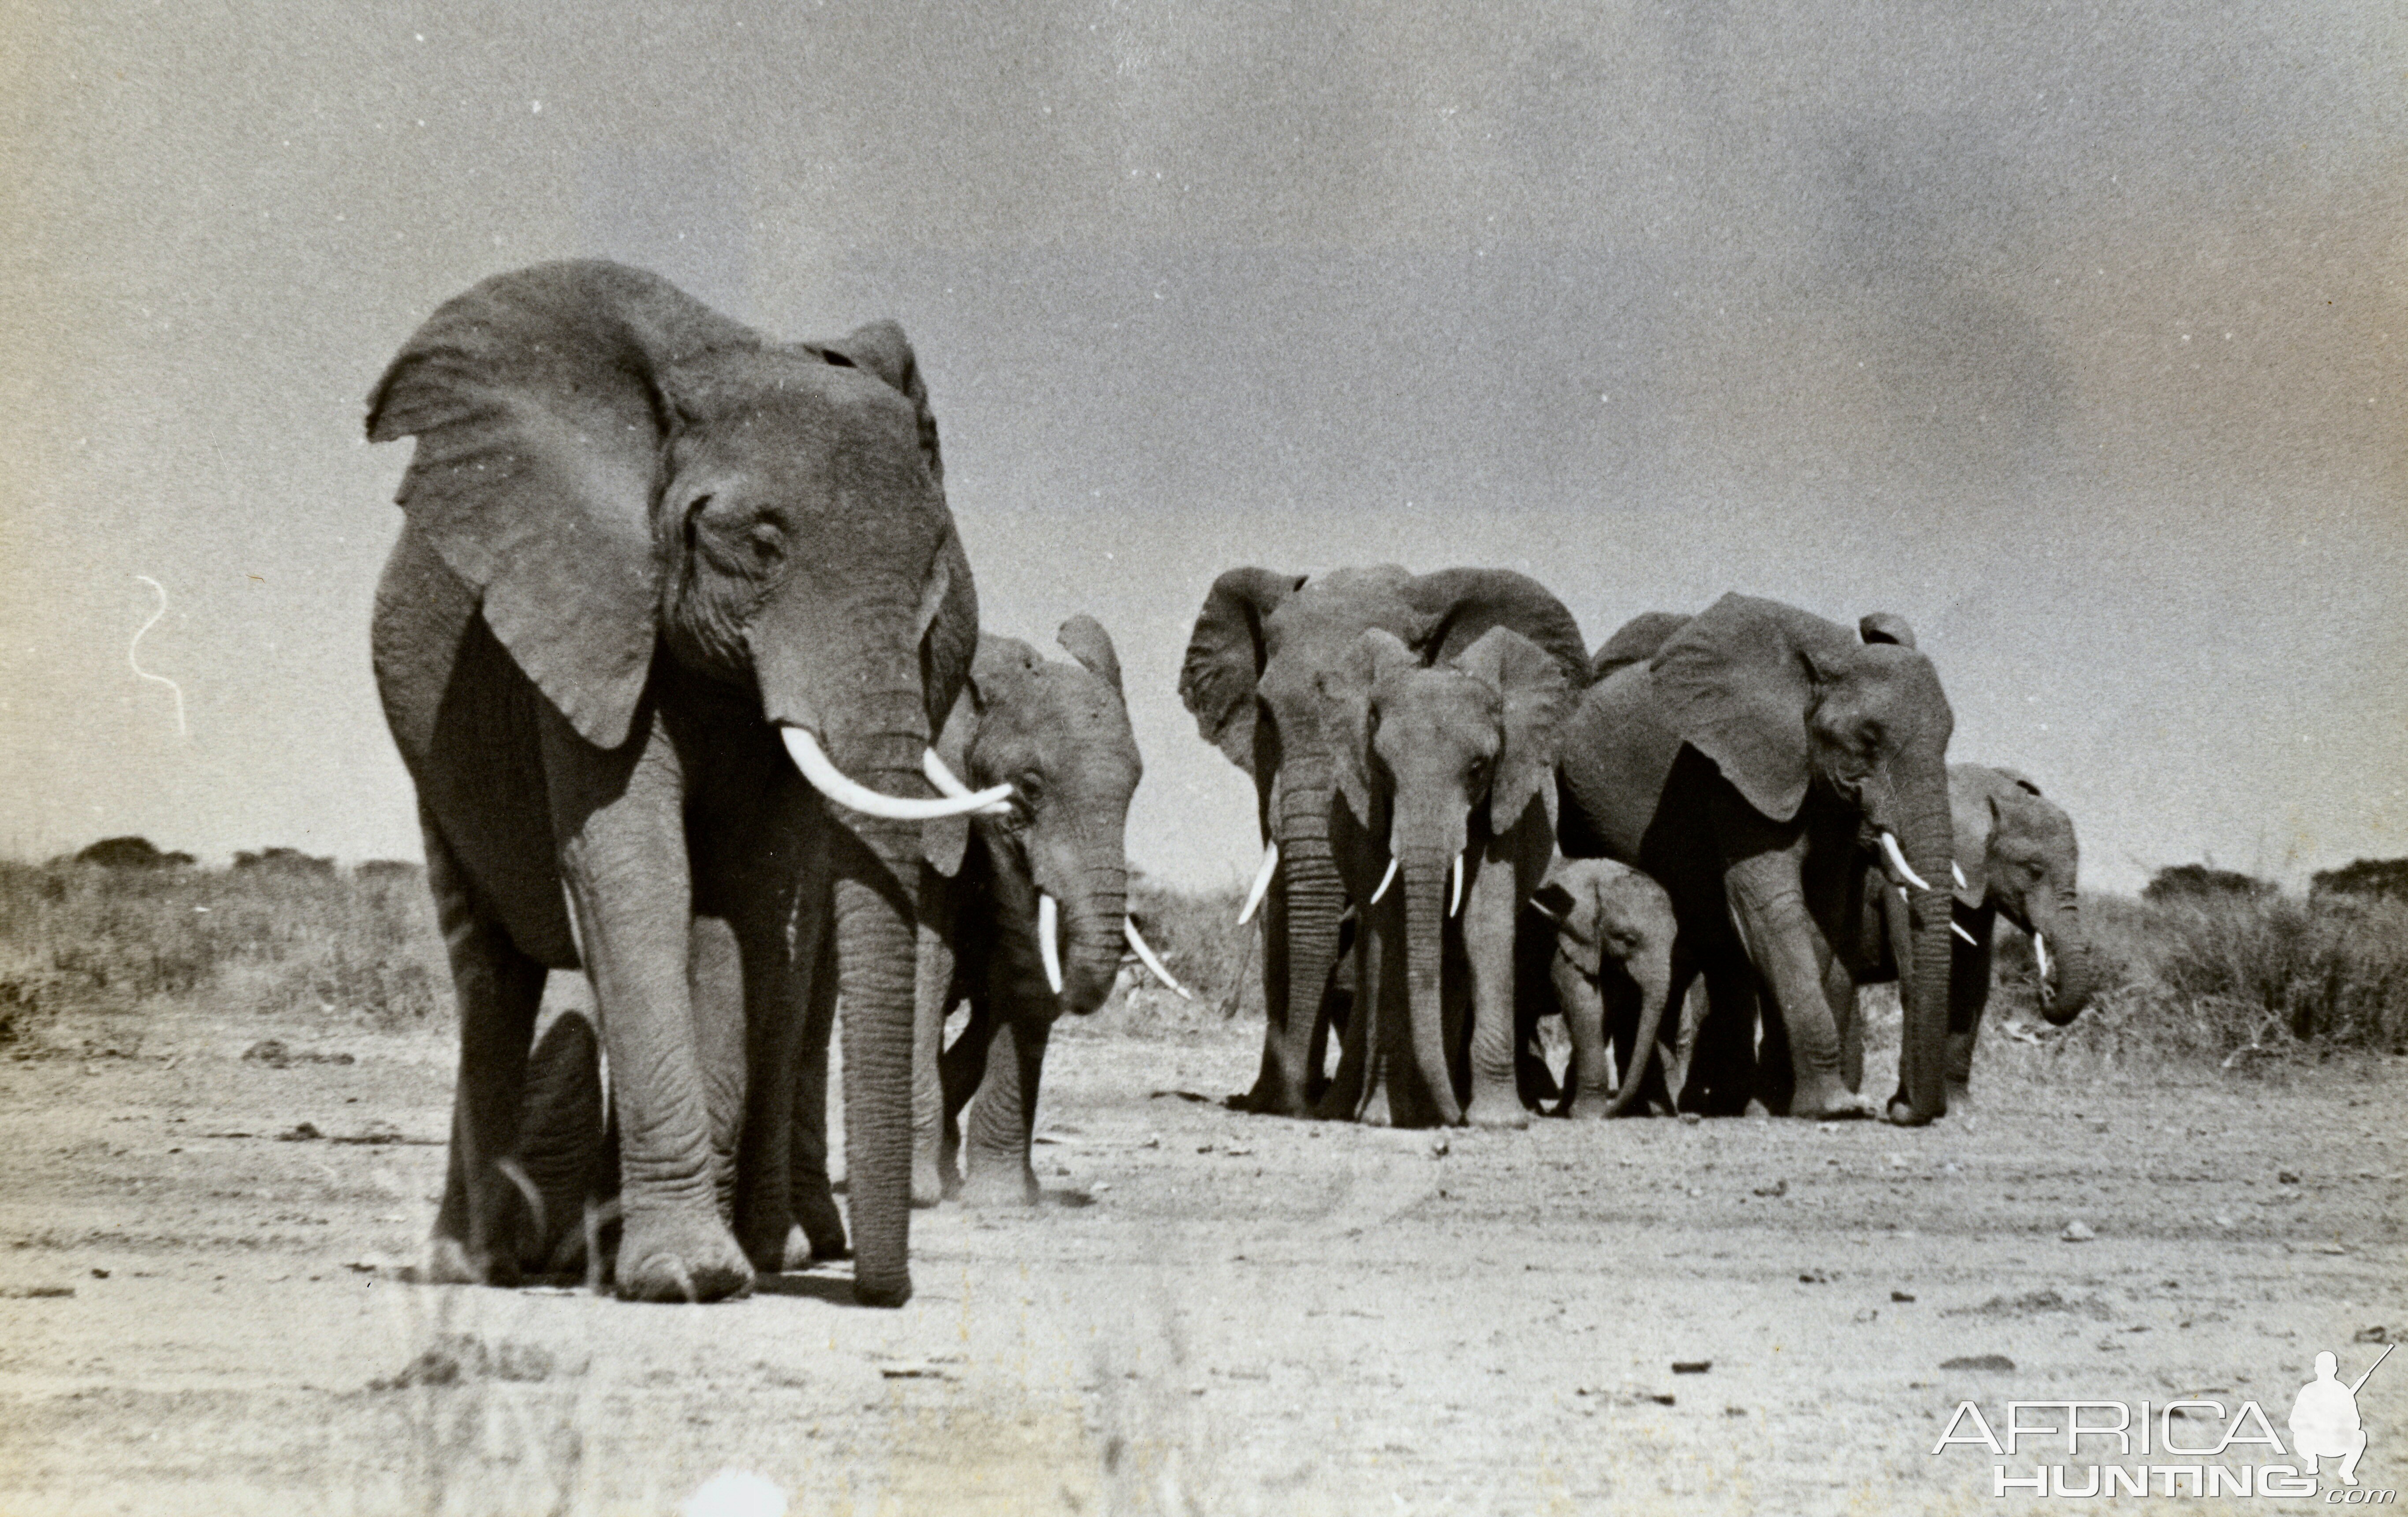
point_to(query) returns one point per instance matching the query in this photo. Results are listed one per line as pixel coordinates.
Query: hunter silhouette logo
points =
(2324, 1417)
(2188, 1447)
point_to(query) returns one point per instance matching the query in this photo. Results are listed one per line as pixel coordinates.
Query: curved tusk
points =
(1454, 891)
(947, 784)
(1958, 928)
(1262, 882)
(1137, 940)
(1898, 862)
(1385, 880)
(2040, 956)
(1049, 946)
(832, 783)
(1957, 874)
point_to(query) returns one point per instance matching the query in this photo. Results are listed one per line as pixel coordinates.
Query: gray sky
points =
(2069, 332)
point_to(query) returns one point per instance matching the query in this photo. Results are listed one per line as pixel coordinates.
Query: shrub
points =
(2380, 879)
(285, 861)
(2200, 881)
(130, 853)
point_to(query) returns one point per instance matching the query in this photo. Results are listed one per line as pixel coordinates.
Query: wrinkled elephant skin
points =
(653, 565)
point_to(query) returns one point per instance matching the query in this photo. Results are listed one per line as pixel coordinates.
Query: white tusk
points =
(1958, 928)
(1956, 873)
(2040, 956)
(1048, 930)
(1137, 940)
(1385, 880)
(836, 786)
(1897, 861)
(947, 784)
(1262, 882)
(1902, 894)
(1454, 891)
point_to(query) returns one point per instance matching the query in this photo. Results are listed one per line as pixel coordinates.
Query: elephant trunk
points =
(1925, 835)
(2073, 963)
(1094, 939)
(1653, 978)
(877, 912)
(1426, 878)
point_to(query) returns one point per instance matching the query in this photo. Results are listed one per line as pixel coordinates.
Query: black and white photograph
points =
(1108, 759)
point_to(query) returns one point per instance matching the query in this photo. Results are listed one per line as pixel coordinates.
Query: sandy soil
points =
(1214, 1313)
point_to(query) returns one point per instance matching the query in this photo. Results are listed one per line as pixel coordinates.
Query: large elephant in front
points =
(1740, 767)
(672, 615)
(1251, 681)
(2016, 857)
(1034, 919)
(1445, 824)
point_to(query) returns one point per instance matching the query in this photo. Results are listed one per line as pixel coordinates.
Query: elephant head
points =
(1250, 680)
(1059, 735)
(1444, 759)
(1787, 705)
(2016, 854)
(649, 500)
(1614, 936)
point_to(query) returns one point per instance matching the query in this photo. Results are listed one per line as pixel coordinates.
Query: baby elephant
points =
(1607, 968)
(1034, 919)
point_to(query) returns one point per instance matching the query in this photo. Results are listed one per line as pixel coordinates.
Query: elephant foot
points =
(1591, 1107)
(928, 1184)
(674, 1256)
(1272, 1097)
(451, 1262)
(1960, 1095)
(802, 1253)
(1902, 1115)
(1376, 1112)
(1832, 1103)
(1001, 1188)
(1497, 1113)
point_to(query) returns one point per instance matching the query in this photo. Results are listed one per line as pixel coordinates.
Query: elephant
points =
(1250, 678)
(1445, 824)
(1740, 766)
(671, 619)
(1034, 921)
(2016, 857)
(1607, 966)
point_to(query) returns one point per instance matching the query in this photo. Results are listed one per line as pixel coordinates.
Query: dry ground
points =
(1213, 1313)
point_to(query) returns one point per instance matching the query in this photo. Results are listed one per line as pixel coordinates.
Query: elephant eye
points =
(767, 543)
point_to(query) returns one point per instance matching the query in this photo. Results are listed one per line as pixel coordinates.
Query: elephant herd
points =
(681, 651)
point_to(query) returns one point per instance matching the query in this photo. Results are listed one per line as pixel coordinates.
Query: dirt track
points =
(1214, 1313)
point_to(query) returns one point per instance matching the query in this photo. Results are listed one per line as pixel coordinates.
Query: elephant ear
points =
(1536, 697)
(1225, 654)
(540, 401)
(1636, 641)
(2020, 780)
(1886, 627)
(1464, 604)
(1736, 683)
(882, 348)
(945, 841)
(1084, 638)
(1345, 688)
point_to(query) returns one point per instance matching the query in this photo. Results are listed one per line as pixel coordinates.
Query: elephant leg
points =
(1343, 1098)
(932, 997)
(809, 1195)
(1720, 1070)
(562, 1133)
(619, 816)
(1768, 897)
(961, 1070)
(478, 1227)
(1583, 1002)
(1840, 992)
(1003, 1119)
(1490, 910)
(714, 976)
(1968, 996)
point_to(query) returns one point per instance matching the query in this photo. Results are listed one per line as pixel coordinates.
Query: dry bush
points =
(1200, 942)
(2233, 977)
(80, 938)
